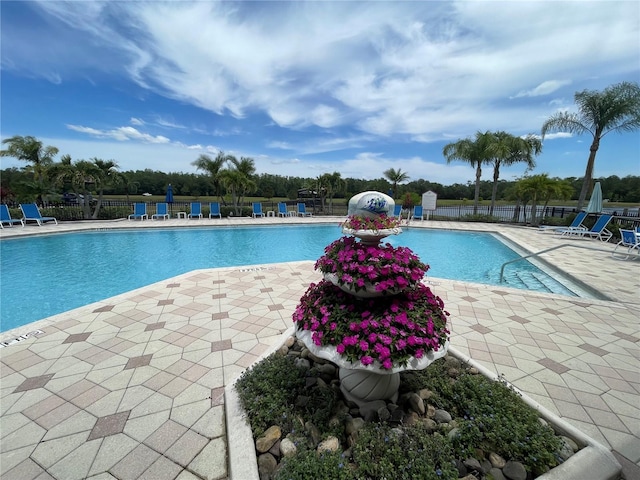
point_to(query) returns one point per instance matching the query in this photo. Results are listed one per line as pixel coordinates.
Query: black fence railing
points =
(112, 209)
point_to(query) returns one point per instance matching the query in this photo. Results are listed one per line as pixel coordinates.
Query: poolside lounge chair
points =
(630, 241)
(417, 212)
(282, 210)
(195, 211)
(302, 210)
(162, 211)
(214, 210)
(139, 212)
(576, 224)
(598, 230)
(257, 210)
(397, 211)
(5, 217)
(31, 212)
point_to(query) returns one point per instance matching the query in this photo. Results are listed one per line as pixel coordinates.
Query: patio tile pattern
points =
(133, 386)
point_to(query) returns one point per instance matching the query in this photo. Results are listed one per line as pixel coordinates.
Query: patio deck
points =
(132, 387)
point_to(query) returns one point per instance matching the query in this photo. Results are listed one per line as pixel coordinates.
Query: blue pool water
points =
(45, 275)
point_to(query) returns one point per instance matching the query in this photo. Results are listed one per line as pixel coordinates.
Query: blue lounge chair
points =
(417, 212)
(599, 230)
(302, 210)
(575, 225)
(397, 211)
(5, 217)
(139, 212)
(257, 210)
(162, 211)
(214, 210)
(630, 241)
(282, 210)
(196, 210)
(31, 212)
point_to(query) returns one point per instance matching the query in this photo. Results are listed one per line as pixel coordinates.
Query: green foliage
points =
(493, 417)
(480, 218)
(309, 464)
(407, 454)
(267, 392)
(490, 416)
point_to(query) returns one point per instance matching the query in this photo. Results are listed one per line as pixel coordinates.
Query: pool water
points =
(45, 275)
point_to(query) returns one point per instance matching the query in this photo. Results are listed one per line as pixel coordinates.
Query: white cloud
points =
(545, 88)
(329, 76)
(120, 133)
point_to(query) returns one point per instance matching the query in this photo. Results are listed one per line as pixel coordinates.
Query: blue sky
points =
(306, 88)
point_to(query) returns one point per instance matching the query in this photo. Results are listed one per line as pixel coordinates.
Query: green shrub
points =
(493, 417)
(267, 392)
(407, 454)
(309, 464)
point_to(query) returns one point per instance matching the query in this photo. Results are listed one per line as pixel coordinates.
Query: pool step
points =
(535, 281)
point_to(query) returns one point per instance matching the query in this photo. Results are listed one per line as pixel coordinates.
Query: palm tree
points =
(615, 109)
(327, 185)
(30, 149)
(213, 167)
(540, 187)
(395, 177)
(238, 179)
(473, 152)
(505, 149)
(106, 174)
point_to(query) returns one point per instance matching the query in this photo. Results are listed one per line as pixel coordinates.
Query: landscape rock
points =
(496, 474)
(496, 460)
(302, 363)
(267, 465)
(352, 425)
(314, 432)
(473, 464)
(268, 438)
(275, 450)
(330, 444)
(288, 448)
(514, 471)
(442, 416)
(369, 408)
(416, 403)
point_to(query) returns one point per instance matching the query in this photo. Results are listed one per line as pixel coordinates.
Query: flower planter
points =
(593, 461)
(368, 291)
(372, 237)
(330, 353)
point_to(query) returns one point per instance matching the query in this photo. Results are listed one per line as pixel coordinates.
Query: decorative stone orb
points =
(371, 204)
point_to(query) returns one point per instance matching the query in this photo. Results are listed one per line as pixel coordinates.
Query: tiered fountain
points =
(371, 315)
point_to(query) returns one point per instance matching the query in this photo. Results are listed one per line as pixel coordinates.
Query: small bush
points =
(407, 454)
(268, 391)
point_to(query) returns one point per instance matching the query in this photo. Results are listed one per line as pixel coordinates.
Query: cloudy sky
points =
(306, 88)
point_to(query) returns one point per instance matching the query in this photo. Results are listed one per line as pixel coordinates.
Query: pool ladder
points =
(545, 251)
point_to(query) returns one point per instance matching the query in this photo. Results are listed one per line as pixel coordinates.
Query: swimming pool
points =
(49, 274)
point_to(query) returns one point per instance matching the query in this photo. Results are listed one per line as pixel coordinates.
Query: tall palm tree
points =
(31, 150)
(213, 166)
(106, 175)
(505, 149)
(615, 109)
(238, 179)
(473, 152)
(395, 177)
